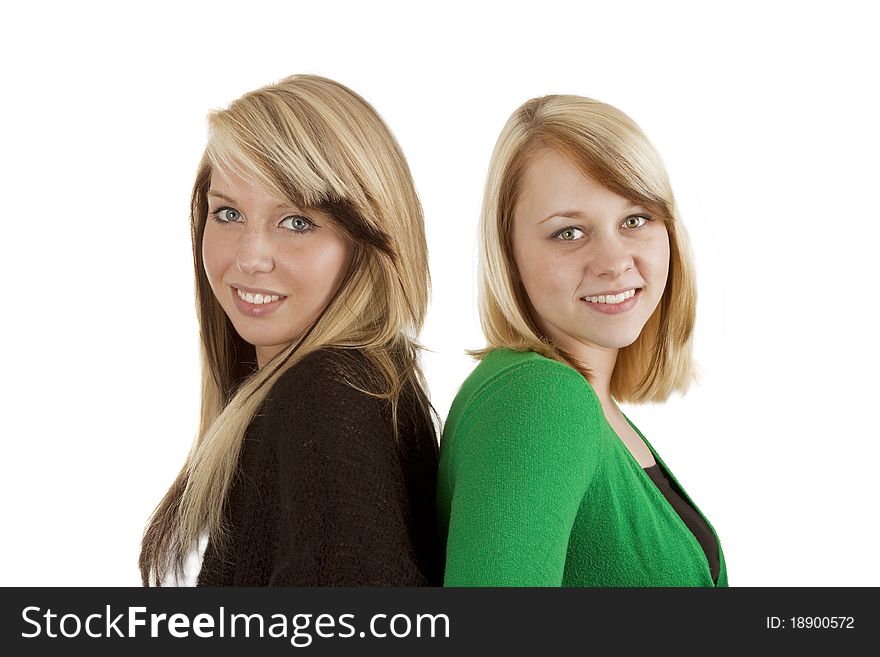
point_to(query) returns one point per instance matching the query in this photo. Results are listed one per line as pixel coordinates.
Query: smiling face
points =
(272, 266)
(593, 264)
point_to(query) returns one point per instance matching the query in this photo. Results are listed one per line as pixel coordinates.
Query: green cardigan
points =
(536, 489)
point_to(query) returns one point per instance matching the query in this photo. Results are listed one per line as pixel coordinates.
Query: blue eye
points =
(639, 219)
(298, 224)
(227, 215)
(569, 234)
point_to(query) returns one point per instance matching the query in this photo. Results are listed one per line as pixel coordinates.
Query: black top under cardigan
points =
(701, 531)
(323, 494)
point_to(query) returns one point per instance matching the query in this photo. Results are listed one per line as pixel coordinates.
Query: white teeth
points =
(257, 299)
(612, 299)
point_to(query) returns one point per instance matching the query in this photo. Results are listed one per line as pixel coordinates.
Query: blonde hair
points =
(609, 147)
(316, 144)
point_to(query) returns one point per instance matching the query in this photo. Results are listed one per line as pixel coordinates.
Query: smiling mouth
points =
(258, 299)
(612, 299)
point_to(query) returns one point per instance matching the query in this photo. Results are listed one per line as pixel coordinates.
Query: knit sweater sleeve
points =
(522, 461)
(341, 495)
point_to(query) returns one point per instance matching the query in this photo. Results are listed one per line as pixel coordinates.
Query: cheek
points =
(317, 268)
(215, 254)
(531, 265)
(655, 259)
(549, 275)
(548, 287)
(663, 259)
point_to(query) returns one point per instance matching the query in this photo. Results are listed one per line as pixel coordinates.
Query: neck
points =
(600, 361)
(265, 354)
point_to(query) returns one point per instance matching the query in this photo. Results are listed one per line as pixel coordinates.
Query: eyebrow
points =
(567, 214)
(280, 206)
(577, 214)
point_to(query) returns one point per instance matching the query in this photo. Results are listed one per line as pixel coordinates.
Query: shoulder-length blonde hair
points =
(316, 144)
(609, 147)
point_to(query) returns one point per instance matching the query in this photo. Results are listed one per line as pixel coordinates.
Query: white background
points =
(765, 114)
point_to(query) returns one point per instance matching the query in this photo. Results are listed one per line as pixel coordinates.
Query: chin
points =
(258, 339)
(613, 341)
(267, 343)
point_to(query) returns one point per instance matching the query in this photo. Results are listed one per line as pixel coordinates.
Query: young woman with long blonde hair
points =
(315, 460)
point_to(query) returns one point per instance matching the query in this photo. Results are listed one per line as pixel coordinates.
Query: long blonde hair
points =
(609, 147)
(316, 144)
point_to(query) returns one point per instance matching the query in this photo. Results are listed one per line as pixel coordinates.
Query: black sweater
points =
(323, 495)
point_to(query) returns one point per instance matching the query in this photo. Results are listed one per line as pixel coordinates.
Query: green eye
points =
(569, 234)
(635, 221)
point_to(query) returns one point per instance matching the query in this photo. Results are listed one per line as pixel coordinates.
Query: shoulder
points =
(322, 376)
(325, 395)
(523, 402)
(522, 379)
(328, 365)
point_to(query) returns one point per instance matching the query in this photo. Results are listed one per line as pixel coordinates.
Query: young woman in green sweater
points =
(587, 299)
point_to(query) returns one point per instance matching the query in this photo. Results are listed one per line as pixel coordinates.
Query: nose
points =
(254, 252)
(611, 257)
